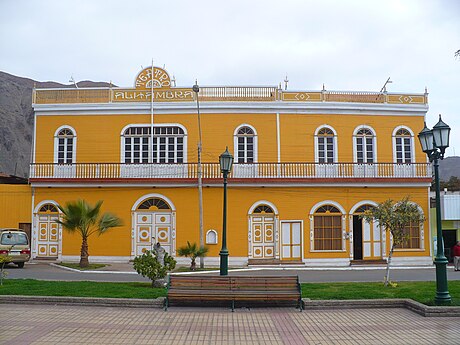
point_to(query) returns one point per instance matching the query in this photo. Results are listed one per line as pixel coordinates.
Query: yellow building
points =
(306, 165)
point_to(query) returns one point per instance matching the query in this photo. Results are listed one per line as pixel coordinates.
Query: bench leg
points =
(233, 305)
(300, 305)
(165, 304)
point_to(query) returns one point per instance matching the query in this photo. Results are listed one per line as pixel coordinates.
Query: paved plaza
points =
(41, 324)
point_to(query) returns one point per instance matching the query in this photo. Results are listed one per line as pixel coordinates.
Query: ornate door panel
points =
(263, 237)
(291, 241)
(153, 227)
(48, 236)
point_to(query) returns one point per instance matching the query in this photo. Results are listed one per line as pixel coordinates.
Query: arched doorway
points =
(47, 231)
(263, 233)
(153, 221)
(367, 237)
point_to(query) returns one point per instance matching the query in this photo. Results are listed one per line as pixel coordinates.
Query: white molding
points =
(74, 144)
(411, 260)
(318, 108)
(44, 202)
(334, 142)
(412, 144)
(361, 203)
(255, 142)
(263, 202)
(231, 184)
(374, 144)
(327, 202)
(153, 195)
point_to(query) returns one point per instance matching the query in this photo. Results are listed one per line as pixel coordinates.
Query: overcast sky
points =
(347, 45)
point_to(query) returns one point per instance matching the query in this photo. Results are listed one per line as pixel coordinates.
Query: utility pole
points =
(196, 89)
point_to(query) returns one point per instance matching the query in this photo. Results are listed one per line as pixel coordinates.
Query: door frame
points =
(35, 221)
(302, 248)
(276, 231)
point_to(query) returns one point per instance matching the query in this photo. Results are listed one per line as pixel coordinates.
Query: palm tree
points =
(84, 219)
(192, 251)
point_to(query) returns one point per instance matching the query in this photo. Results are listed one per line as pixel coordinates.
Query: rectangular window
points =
(327, 233)
(412, 240)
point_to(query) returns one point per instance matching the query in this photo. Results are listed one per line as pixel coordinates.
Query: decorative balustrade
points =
(330, 171)
(217, 94)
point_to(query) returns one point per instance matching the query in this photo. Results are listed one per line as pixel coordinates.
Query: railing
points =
(216, 94)
(110, 171)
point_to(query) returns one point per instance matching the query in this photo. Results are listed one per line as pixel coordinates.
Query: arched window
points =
(327, 233)
(64, 146)
(245, 143)
(326, 145)
(166, 146)
(263, 209)
(364, 146)
(403, 145)
(48, 208)
(155, 204)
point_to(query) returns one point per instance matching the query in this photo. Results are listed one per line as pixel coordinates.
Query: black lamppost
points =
(226, 162)
(434, 143)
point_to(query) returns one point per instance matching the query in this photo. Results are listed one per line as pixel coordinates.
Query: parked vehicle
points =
(15, 243)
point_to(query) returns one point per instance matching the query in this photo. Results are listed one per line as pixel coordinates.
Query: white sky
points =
(347, 45)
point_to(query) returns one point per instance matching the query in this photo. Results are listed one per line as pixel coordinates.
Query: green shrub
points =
(148, 265)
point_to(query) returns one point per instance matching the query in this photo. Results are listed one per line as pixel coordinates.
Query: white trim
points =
(361, 203)
(44, 202)
(334, 142)
(74, 144)
(302, 244)
(215, 233)
(34, 143)
(411, 260)
(278, 137)
(233, 184)
(255, 142)
(327, 202)
(294, 108)
(412, 144)
(153, 195)
(262, 202)
(35, 214)
(185, 136)
(374, 144)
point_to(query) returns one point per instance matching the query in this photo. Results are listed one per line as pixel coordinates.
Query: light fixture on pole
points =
(196, 89)
(226, 162)
(434, 143)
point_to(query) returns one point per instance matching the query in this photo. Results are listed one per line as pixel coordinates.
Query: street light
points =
(226, 162)
(434, 143)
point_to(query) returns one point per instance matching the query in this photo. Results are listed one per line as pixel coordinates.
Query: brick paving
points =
(42, 324)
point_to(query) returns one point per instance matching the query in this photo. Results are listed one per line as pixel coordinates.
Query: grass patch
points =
(422, 292)
(76, 266)
(419, 291)
(32, 287)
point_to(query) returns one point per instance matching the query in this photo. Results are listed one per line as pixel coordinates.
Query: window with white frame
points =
(245, 145)
(403, 146)
(325, 145)
(166, 146)
(365, 146)
(65, 146)
(327, 228)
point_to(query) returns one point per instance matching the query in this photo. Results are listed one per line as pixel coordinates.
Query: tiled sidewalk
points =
(40, 324)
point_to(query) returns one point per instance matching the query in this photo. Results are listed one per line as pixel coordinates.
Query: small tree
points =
(193, 251)
(394, 217)
(84, 219)
(149, 266)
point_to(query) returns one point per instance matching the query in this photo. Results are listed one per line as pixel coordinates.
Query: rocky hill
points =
(16, 125)
(16, 120)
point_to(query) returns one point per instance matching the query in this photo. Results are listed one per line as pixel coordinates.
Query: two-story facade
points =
(307, 164)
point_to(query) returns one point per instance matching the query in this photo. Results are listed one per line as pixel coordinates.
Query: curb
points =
(83, 301)
(419, 308)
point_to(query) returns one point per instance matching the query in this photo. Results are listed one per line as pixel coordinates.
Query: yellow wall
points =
(293, 203)
(98, 136)
(15, 205)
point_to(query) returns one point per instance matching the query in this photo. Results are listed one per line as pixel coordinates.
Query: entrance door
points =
(153, 227)
(48, 236)
(291, 241)
(367, 241)
(263, 237)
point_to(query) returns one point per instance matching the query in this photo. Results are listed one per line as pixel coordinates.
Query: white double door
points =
(152, 228)
(291, 241)
(48, 236)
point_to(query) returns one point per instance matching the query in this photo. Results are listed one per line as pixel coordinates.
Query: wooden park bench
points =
(233, 289)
